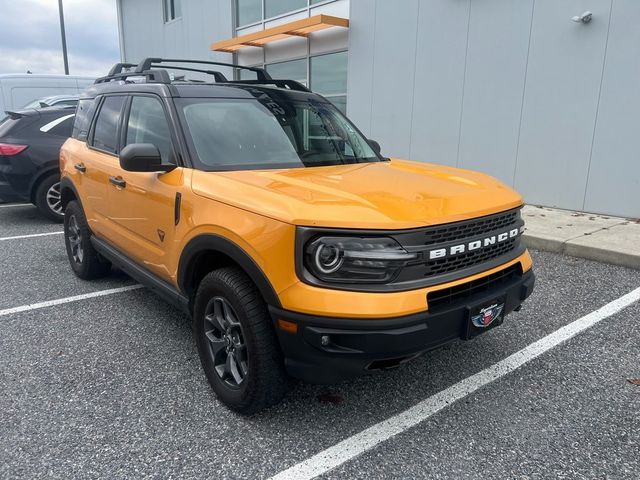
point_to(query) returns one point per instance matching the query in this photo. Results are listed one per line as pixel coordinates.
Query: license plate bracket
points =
(484, 316)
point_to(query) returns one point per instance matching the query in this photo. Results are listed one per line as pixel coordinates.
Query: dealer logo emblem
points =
(487, 315)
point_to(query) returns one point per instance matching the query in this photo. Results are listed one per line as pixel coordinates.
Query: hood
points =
(386, 195)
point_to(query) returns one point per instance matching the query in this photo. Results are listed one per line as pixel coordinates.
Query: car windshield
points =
(237, 134)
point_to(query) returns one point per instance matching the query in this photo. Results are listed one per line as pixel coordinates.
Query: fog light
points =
(325, 340)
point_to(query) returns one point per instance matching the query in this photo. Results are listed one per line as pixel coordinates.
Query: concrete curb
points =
(577, 234)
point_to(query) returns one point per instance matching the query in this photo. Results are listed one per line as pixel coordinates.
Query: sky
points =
(30, 36)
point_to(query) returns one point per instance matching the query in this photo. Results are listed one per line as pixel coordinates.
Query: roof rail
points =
(149, 69)
(155, 76)
(219, 77)
(147, 63)
(119, 67)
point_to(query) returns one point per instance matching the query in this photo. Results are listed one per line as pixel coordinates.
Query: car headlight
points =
(355, 259)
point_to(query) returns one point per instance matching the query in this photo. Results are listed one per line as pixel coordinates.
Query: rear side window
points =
(84, 114)
(13, 124)
(105, 133)
(148, 124)
(6, 125)
(61, 126)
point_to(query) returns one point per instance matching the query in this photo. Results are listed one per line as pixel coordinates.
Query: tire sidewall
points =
(234, 397)
(73, 209)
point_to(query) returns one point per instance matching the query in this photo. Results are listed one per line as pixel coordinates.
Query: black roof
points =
(198, 90)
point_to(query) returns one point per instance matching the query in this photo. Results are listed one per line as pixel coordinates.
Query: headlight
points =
(355, 259)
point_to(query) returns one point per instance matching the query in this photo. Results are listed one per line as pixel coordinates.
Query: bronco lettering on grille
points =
(475, 244)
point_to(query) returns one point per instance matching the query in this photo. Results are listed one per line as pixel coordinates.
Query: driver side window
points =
(148, 124)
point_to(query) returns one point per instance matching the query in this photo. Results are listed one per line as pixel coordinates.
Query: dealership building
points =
(542, 94)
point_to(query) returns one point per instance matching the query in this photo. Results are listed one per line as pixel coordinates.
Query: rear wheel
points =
(85, 262)
(238, 347)
(48, 198)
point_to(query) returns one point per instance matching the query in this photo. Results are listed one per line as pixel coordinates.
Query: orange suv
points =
(297, 249)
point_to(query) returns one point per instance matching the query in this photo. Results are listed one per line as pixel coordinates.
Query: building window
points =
(291, 70)
(172, 9)
(250, 12)
(329, 77)
(273, 8)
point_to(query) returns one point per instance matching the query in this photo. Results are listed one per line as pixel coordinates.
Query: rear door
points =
(143, 210)
(100, 160)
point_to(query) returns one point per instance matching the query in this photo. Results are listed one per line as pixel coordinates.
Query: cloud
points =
(30, 40)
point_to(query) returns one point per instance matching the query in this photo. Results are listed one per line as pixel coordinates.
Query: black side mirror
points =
(143, 157)
(375, 145)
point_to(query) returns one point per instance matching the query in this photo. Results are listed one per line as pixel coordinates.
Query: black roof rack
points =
(148, 69)
(152, 76)
(119, 67)
(150, 62)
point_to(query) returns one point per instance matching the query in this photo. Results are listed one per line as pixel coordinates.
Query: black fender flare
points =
(67, 184)
(216, 243)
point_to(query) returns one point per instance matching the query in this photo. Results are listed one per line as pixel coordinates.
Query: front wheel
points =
(238, 347)
(85, 262)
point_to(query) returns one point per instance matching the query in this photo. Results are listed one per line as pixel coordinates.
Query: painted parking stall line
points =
(11, 205)
(31, 235)
(367, 439)
(75, 298)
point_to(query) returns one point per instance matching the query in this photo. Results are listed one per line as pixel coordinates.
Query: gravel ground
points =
(111, 387)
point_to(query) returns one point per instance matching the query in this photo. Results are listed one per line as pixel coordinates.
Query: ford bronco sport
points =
(297, 249)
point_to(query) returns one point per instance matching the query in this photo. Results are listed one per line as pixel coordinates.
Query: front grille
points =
(464, 260)
(429, 271)
(459, 293)
(473, 228)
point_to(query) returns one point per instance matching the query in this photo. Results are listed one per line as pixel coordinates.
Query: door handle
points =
(118, 181)
(80, 167)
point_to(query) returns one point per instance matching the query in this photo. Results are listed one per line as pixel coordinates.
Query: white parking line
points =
(60, 301)
(17, 205)
(17, 237)
(359, 443)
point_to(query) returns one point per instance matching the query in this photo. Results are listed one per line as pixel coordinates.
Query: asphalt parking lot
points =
(111, 386)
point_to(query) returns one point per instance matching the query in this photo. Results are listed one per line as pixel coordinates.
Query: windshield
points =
(236, 134)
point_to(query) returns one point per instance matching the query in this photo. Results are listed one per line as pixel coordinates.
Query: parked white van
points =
(18, 89)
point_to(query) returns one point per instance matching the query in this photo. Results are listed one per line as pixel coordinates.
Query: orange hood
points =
(386, 195)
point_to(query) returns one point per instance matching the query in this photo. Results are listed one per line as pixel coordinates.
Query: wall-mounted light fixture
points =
(584, 18)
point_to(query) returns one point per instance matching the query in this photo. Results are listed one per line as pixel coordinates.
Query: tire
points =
(48, 200)
(228, 296)
(85, 262)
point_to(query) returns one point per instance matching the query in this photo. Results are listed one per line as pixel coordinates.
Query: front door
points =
(142, 209)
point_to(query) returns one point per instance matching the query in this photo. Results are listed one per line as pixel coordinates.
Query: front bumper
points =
(358, 346)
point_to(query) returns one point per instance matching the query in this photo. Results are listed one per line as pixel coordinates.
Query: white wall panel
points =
(560, 102)
(614, 177)
(202, 22)
(437, 91)
(494, 84)
(360, 69)
(393, 68)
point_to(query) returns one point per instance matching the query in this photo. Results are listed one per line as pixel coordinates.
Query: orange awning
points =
(298, 28)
